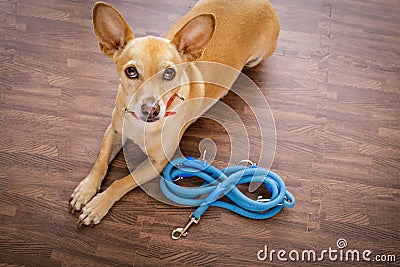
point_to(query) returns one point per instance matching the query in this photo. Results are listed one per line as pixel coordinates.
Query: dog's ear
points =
(192, 39)
(111, 29)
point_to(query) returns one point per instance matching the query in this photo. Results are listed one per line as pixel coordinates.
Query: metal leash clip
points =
(182, 231)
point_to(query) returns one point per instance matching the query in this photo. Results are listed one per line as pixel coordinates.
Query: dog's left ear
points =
(192, 39)
(111, 29)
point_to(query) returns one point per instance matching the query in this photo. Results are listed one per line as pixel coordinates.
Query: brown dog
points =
(236, 33)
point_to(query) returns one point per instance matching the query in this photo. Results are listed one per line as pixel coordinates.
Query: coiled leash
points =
(218, 182)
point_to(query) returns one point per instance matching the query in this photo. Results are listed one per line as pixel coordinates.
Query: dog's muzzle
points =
(150, 110)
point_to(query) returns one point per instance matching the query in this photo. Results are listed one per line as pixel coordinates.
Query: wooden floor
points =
(333, 87)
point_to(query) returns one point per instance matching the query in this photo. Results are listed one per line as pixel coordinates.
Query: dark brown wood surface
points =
(333, 87)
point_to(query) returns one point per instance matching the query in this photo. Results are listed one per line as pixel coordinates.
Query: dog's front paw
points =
(95, 210)
(83, 193)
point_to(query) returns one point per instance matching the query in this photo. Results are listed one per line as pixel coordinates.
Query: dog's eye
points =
(131, 72)
(169, 74)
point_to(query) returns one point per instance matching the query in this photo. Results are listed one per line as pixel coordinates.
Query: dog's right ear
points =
(192, 39)
(111, 29)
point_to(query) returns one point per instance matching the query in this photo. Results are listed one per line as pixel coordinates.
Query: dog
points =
(235, 33)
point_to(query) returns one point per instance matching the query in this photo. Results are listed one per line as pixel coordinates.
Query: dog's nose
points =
(150, 111)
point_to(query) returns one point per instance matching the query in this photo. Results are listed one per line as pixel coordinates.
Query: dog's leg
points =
(88, 187)
(99, 206)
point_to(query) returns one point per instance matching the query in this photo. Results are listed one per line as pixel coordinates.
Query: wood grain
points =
(333, 87)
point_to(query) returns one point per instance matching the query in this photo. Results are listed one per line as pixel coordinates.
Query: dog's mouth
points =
(149, 113)
(147, 119)
(142, 117)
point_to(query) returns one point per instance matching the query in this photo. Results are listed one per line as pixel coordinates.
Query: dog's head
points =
(149, 61)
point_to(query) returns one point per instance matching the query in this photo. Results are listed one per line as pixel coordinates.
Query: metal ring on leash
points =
(247, 161)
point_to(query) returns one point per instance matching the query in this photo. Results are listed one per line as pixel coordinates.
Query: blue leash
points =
(222, 182)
